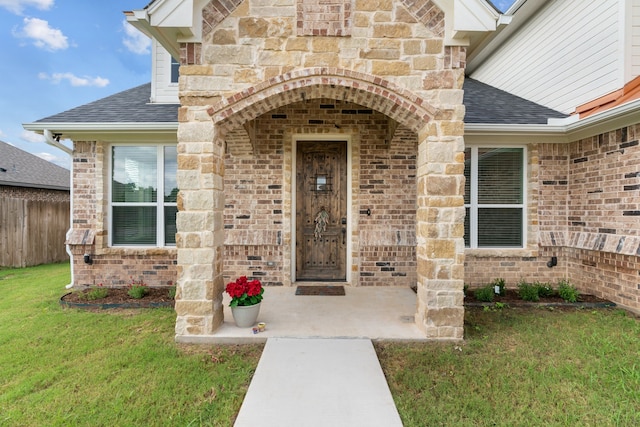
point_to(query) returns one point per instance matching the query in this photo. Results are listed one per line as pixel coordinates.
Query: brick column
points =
(200, 237)
(440, 231)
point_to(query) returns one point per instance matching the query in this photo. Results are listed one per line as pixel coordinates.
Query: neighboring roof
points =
(487, 104)
(21, 169)
(129, 106)
(484, 104)
(630, 92)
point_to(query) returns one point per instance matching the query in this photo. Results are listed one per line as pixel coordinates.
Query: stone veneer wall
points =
(383, 178)
(251, 62)
(588, 217)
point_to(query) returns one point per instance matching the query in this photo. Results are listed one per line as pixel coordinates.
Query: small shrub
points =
(528, 292)
(137, 289)
(97, 293)
(567, 291)
(500, 284)
(484, 294)
(465, 289)
(172, 292)
(545, 290)
(93, 293)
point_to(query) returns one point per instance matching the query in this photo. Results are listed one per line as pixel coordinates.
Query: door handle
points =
(344, 235)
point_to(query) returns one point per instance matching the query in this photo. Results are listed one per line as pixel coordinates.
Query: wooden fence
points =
(32, 232)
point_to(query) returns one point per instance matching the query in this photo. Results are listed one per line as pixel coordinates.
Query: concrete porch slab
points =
(318, 383)
(378, 313)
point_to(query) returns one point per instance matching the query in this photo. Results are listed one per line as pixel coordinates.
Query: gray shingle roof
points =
(131, 105)
(484, 104)
(21, 169)
(487, 104)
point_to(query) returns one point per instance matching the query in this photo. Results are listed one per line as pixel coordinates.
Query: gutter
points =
(54, 141)
(569, 129)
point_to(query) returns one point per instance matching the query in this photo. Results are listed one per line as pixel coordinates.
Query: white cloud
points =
(29, 136)
(62, 161)
(42, 34)
(17, 6)
(135, 41)
(75, 80)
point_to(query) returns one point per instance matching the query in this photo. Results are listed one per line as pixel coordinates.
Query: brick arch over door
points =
(425, 11)
(373, 92)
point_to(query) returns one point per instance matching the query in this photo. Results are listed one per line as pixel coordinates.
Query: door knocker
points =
(322, 219)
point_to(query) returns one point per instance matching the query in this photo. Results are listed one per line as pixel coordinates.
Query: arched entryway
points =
(438, 192)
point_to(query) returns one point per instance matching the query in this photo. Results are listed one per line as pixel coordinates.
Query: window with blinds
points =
(138, 175)
(494, 197)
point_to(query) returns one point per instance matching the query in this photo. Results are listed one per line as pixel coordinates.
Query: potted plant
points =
(246, 296)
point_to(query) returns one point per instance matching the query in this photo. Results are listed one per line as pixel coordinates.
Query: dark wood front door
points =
(321, 202)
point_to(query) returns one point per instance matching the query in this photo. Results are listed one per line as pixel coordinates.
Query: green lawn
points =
(516, 367)
(69, 367)
(519, 367)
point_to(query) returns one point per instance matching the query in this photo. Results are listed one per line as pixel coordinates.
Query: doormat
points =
(320, 290)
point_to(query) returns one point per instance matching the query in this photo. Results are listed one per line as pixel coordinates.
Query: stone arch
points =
(311, 83)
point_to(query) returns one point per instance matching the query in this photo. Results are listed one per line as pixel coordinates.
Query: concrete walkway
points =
(314, 382)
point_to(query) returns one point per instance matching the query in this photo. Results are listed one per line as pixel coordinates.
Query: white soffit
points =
(171, 22)
(467, 19)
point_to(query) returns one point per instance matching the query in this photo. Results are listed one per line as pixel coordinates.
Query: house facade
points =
(583, 187)
(338, 141)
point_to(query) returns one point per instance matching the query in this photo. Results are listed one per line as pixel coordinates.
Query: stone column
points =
(440, 231)
(200, 230)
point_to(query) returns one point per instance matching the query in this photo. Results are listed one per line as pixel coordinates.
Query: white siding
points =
(567, 54)
(162, 90)
(635, 40)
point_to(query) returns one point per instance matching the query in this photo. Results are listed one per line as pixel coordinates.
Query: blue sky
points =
(502, 5)
(61, 54)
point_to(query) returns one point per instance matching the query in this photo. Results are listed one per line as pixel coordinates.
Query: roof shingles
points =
(129, 106)
(21, 169)
(484, 104)
(489, 105)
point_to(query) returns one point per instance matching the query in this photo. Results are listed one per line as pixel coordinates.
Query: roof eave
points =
(30, 185)
(112, 131)
(574, 130)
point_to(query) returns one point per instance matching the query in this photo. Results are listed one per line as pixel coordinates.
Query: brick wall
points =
(587, 210)
(111, 266)
(256, 230)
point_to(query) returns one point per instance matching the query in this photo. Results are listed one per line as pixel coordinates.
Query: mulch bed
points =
(320, 290)
(118, 298)
(512, 299)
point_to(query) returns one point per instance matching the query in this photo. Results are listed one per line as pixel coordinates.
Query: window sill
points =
(501, 252)
(139, 250)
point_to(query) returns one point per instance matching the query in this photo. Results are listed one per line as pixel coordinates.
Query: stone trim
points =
(428, 13)
(323, 18)
(215, 12)
(190, 53)
(602, 242)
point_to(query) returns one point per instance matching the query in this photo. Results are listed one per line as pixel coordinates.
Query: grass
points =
(522, 367)
(68, 367)
(515, 367)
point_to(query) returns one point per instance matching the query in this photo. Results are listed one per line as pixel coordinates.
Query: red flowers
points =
(244, 292)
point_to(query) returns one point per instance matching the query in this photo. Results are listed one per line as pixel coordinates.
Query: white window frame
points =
(473, 204)
(159, 203)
